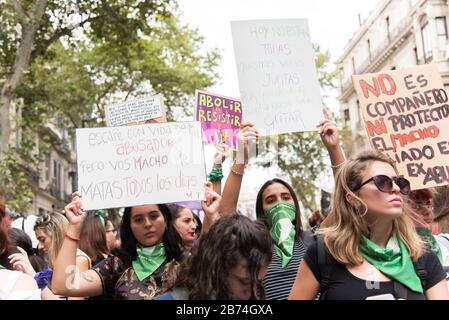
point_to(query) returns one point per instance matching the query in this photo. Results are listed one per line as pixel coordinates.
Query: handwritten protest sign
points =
(406, 116)
(140, 164)
(146, 110)
(277, 77)
(220, 118)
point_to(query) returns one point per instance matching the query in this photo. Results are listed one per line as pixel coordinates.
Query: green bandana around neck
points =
(431, 242)
(280, 219)
(148, 260)
(393, 261)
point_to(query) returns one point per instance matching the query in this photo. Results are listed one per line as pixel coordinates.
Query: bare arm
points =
(231, 190)
(210, 206)
(331, 140)
(438, 291)
(219, 157)
(305, 287)
(68, 279)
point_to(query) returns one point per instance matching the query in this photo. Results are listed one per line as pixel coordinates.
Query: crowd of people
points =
(376, 242)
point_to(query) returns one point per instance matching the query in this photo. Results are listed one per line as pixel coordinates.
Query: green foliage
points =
(87, 54)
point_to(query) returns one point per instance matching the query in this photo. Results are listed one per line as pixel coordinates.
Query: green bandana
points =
(429, 239)
(148, 260)
(2, 267)
(280, 219)
(393, 261)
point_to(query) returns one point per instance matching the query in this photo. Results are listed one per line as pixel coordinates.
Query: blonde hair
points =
(346, 223)
(53, 225)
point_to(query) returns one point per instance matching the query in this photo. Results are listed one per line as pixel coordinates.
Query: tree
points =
(65, 60)
(301, 155)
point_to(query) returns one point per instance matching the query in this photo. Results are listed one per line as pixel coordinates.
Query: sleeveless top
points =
(7, 293)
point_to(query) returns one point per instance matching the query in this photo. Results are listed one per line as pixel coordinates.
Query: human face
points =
(44, 240)
(381, 204)
(239, 281)
(185, 224)
(274, 193)
(147, 224)
(111, 234)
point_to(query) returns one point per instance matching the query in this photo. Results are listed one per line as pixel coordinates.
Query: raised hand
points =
(211, 202)
(74, 211)
(20, 262)
(246, 134)
(328, 133)
(221, 154)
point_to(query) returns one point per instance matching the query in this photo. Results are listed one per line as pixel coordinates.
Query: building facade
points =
(397, 34)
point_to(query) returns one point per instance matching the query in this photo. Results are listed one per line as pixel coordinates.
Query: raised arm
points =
(210, 205)
(331, 140)
(216, 174)
(68, 279)
(231, 190)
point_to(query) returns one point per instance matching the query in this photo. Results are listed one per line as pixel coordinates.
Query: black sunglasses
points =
(385, 184)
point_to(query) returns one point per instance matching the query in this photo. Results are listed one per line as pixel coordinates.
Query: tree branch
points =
(59, 34)
(24, 19)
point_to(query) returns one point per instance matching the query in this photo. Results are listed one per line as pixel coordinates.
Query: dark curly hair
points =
(229, 240)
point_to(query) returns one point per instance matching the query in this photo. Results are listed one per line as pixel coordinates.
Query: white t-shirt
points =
(7, 292)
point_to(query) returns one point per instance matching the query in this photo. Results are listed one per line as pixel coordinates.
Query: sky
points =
(331, 23)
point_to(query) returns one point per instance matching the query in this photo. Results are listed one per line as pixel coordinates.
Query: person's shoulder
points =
(25, 282)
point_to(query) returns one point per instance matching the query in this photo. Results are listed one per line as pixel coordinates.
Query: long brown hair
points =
(93, 237)
(346, 224)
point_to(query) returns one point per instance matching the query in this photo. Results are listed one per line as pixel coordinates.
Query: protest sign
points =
(220, 118)
(145, 110)
(140, 164)
(277, 78)
(406, 116)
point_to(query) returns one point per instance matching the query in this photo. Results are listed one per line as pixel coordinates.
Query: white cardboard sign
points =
(140, 164)
(135, 111)
(277, 77)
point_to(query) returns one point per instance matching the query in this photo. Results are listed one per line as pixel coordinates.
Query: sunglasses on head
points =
(385, 184)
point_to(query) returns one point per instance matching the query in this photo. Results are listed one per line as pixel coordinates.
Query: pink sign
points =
(220, 118)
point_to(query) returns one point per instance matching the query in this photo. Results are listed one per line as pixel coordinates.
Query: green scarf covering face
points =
(280, 219)
(429, 239)
(148, 260)
(393, 261)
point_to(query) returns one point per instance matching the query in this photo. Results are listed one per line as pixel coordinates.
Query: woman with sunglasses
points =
(369, 247)
(278, 207)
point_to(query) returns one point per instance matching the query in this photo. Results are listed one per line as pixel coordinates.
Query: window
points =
(441, 32)
(346, 114)
(415, 50)
(57, 178)
(353, 65)
(426, 41)
(369, 49)
(47, 166)
(387, 20)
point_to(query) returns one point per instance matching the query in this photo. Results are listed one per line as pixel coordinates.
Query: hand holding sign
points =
(221, 154)
(328, 134)
(74, 211)
(246, 134)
